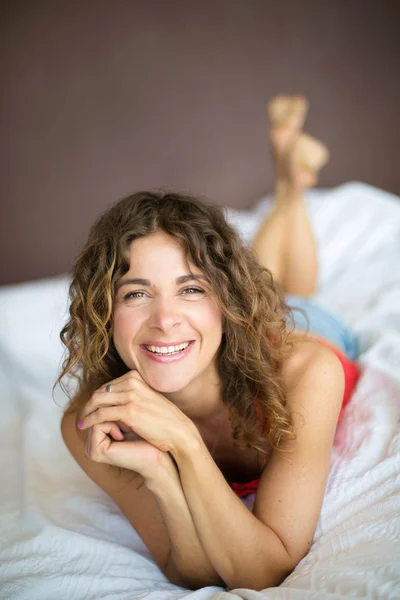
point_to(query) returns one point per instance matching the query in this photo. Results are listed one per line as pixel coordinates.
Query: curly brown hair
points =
(255, 315)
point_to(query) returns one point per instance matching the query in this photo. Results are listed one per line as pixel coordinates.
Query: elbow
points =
(261, 580)
(196, 582)
(192, 581)
(176, 578)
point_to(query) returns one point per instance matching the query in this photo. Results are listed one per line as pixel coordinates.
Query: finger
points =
(99, 400)
(102, 397)
(116, 432)
(123, 427)
(99, 444)
(111, 398)
(88, 440)
(103, 414)
(130, 375)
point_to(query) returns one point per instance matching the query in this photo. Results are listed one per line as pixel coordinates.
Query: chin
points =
(165, 384)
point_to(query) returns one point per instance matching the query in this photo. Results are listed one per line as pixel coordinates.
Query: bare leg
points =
(285, 242)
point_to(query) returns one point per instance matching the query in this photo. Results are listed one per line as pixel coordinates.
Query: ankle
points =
(287, 192)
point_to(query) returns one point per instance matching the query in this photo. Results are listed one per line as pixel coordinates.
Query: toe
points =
(288, 111)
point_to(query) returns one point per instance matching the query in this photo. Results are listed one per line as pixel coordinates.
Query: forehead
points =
(158, 260)
(158, 252)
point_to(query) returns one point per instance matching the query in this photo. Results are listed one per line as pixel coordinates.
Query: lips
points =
(166, 344)
(165, 358)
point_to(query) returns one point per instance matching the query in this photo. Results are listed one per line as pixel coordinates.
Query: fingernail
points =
(80, 424)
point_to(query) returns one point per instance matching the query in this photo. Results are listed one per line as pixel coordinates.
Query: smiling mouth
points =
(168, 356)
(163, 352)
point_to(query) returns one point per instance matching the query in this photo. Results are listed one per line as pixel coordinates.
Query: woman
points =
(195, 386)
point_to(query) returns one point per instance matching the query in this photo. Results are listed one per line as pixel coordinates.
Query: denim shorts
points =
(322, 322)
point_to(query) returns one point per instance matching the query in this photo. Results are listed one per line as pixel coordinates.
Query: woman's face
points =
(162, 311)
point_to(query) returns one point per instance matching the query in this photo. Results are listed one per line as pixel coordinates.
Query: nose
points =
(165, 313)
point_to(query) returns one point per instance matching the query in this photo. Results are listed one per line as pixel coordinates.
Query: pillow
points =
(32, 316)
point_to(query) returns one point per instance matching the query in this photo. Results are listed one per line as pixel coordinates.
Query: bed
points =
(63, 537)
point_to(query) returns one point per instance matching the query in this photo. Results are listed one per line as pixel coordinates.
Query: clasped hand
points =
(133, 406)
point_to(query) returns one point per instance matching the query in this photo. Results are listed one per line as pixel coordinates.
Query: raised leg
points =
(285, 242)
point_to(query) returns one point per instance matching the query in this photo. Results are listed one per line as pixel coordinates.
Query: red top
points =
(351, 375)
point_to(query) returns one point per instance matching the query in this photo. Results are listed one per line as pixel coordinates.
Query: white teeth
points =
(166, 350)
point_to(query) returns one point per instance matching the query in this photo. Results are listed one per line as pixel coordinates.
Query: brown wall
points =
(105, 97)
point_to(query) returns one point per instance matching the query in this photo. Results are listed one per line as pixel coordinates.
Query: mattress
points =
(62, 537)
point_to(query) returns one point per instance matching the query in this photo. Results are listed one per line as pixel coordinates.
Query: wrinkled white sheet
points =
(63, 538)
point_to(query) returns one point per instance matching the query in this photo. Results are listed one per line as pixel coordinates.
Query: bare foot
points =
(298, 156)
(287, 115)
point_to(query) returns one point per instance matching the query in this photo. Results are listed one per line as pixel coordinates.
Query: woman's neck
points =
(202, 399)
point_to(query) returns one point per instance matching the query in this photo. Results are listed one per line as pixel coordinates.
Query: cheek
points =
(123, 326)
(211, 319)
(215, 312)
(123, 331)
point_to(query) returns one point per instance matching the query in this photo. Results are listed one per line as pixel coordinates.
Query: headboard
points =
(101, 99)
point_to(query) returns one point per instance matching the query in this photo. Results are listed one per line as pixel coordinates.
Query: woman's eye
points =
(133, 294)
(195, 290)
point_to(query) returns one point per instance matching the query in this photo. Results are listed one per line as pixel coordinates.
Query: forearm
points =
(243, 550)
(187, 556)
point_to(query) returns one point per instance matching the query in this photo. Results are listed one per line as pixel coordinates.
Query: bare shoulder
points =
(310, 369)
(138, 504)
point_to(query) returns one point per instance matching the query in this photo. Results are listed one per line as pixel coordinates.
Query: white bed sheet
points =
(63, 538)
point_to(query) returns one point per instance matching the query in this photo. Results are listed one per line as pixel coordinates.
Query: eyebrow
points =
(147, 282)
